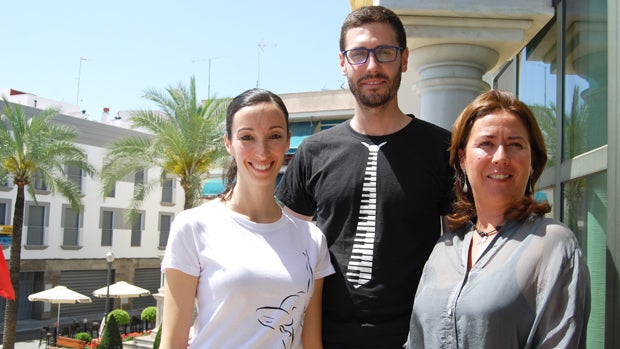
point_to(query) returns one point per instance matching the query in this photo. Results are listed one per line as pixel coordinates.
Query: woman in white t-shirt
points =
(253, 272)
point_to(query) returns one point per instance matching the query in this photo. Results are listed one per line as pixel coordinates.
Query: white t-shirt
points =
(254, 280)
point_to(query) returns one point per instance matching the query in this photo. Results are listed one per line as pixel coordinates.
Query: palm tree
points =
(184, 140)
(32, 146)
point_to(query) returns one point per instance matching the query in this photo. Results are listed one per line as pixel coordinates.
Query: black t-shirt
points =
(412, 184)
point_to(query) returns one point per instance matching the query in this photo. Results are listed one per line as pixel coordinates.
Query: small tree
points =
(83, 336)
(121, 316)
(149, 315)
(111, 338)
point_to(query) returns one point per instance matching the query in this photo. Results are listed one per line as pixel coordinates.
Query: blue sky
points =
(115, 50)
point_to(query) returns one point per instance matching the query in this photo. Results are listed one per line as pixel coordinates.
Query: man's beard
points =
(374, 99)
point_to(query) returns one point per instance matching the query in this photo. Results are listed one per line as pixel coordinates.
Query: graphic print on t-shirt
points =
(359, 269)
(282, 318)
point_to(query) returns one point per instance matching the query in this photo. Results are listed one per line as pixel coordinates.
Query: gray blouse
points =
(530, 288)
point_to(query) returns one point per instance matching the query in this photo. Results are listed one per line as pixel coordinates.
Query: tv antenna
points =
(77, 97)
(261, 48)
(209, 73)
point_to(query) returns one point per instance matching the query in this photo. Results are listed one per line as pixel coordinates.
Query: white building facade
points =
(60, 247)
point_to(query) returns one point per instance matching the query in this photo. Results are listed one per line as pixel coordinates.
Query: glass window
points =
(136, 230)
(38, 182)
(545, 194)
(585, 100)
(139, 177)
(112, 192)
(71, 227)
(164, 229)
(3, 213)
(74, 174)
(138, 184)
(36, 225)
(585, 212)
(167, 190)
(107, 228)
(6, 182)
(537, 84)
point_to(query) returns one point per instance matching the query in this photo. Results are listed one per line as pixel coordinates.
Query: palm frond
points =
(185, 140)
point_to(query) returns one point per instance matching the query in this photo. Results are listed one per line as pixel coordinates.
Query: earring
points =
(465, 187)
(529, 185)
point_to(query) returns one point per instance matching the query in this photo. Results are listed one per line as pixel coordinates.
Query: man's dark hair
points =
(373, 14)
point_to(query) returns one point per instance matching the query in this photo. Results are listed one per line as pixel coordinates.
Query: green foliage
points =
(111, 338)
(184, 141)
(157, 338)
(120, 315)
(149, 314)
(83, 336)
(36, 146)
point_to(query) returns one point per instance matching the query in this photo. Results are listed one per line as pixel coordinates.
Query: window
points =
(5, 220)
(584, 137)
(585, 212)
(3, 213)
(138, 183)
(36, 225)
(71, 227)
(585, 94)
(164, 229)
(6, 183)
(136, 230)
(139, 177)
(38, 182)
(112, 192)
(167, 190)
(74, 174)
(107, 227)
(538, 85)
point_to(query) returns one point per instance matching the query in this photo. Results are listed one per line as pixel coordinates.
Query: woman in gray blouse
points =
(507, 276)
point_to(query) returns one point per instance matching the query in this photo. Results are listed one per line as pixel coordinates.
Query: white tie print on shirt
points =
(359, 269)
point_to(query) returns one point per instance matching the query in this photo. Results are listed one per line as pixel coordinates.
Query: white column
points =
(450, 76)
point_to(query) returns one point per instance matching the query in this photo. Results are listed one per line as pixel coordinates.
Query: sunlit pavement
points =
(28, 344)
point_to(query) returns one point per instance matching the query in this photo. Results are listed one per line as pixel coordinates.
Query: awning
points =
(331, 123)
(300, 131)
(295, 142)
(213, 187)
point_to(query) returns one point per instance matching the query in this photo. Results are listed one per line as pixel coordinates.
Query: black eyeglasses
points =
(383, 54)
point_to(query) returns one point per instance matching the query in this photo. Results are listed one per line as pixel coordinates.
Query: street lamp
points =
(109, 256)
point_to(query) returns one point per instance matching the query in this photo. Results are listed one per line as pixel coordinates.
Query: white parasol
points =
(121, 289)
(59, 295)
